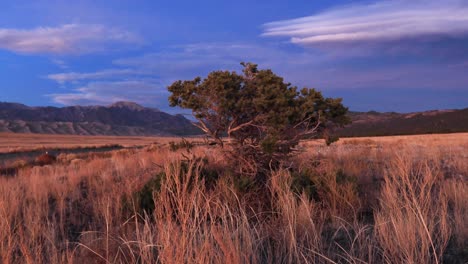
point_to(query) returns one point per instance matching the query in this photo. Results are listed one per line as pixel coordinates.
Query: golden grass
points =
(10, 142)
(429, 140)
(376, 200)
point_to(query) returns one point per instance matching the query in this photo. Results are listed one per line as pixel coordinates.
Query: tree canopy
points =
(261, 115)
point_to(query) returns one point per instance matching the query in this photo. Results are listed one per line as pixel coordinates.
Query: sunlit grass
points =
(370, 200)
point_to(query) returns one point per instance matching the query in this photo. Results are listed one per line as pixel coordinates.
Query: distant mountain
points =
(385, 124)
(121, 118)
(131, 119)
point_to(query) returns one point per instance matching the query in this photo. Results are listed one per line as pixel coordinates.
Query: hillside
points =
(122, 118)
(131, 119)
(385, 124)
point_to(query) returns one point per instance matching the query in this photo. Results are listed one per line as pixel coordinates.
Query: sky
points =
(393, 55)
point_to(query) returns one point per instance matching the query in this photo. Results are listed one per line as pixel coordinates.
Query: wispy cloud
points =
(303, 68)
(378, 22)
(100, 93)
(190, 56)
(60, 63)
(104, 74)
(414, 77)
(300, 67)
(65, 39)
(191, 60)
(130, 79)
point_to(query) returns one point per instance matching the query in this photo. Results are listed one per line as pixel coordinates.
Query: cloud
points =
(191, 60)
(104, 74)
(131, 82)
(302, 67)
(382, 45)
(60, 63)
(383, 21)
(193, 56)
(384, 77)
(65, 39)
(146, 92)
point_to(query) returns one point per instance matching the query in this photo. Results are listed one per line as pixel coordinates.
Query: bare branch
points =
(232, 130)
(209, 132)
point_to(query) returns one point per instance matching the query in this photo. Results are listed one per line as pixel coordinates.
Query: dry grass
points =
(371, 200)
(10, 142)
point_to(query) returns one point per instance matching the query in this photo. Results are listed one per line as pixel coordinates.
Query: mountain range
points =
(121, 118)
(385, 124)
(131, 119)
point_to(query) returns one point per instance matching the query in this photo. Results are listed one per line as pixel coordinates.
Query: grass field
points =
(24, 142)
(10, 142)
(429, 140)
(361, 200)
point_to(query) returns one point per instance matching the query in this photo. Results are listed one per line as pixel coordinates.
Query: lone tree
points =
(262, 117)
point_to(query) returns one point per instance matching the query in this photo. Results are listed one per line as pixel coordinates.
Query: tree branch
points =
(208, 131)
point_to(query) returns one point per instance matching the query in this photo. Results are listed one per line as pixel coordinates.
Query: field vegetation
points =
(360, 200)
(11, 142)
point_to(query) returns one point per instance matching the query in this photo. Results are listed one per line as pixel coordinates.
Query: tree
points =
(262, 117)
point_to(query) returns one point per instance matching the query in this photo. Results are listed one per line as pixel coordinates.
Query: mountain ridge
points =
(373, 123)
(120, 118)
(131, 119)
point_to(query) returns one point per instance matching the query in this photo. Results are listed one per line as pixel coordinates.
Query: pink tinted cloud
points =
(103, 74)
(107, 92)
(380, 21)
(64, 39)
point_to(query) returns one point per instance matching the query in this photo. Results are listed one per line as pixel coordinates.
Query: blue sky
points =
(378, 55)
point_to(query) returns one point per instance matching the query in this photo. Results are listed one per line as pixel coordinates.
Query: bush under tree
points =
(262, 117)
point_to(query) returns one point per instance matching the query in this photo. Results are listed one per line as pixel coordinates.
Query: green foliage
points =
(243, 184)
(263, 116)
(343, 178)
(305, 182)
(144, 197)
(330, 139)
(268, 145)
(209, 175)
(316, 186)
(183, 144)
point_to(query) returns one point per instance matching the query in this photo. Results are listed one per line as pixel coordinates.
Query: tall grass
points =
(412, 224)
(348, 203)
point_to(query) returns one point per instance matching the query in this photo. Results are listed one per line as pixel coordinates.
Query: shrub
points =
(45, 159)
(144, 197)
(183, 144)
(19, 164)
(262, 117)
(304, 182)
